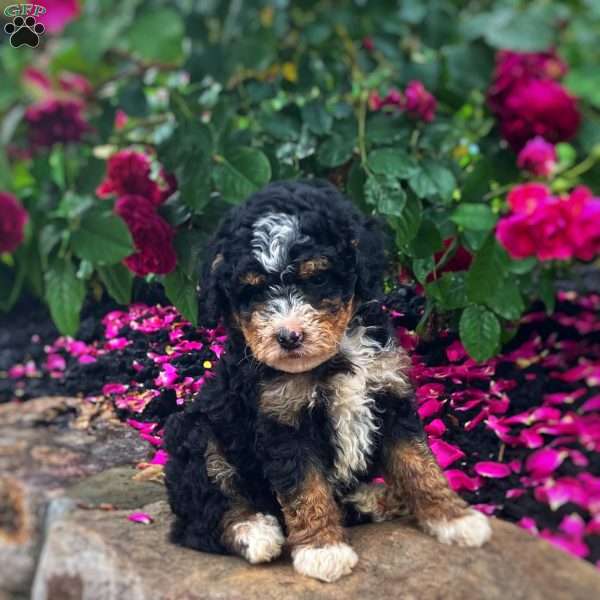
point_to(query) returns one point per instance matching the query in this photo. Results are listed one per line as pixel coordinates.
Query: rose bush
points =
(473, 132)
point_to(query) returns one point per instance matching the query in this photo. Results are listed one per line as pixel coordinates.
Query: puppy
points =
(311, 400)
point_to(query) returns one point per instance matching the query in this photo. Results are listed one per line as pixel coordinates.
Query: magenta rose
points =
(152, 236)
(419, 102)
(129, 172)
(538, 157)
(55, 122)
(13, 218)
(585, 210)
(58, 14)
(539, 108)
(525, 198)
(548, 227)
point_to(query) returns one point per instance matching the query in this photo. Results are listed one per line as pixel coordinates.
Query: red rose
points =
(539, 108)
(13, 218)
(515, 68)
(55, 122)
(152, 236)
(419, 102)
(129, 171)
(538, 157)
(460, 261)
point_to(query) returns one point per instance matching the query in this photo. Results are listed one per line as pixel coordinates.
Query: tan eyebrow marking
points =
(253, 279)
(309, 267)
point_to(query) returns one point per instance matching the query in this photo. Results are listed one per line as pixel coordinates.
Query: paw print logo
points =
(24, 32)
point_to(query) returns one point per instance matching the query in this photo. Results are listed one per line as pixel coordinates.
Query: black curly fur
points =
(271, 458)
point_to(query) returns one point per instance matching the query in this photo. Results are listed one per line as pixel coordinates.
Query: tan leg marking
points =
(378, 502)
(414, 473)
(219, 470)
(315, 532)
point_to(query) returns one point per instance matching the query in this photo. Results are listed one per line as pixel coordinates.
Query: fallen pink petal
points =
(140, 517)
(492, 469)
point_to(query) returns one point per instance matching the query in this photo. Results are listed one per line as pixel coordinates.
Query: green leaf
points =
(585, 82)
(102, 238)
(242, 172)
(528, 31)
(317, 118)
(181, 291)
(194, 184)
(407, 224)
(189, 245)
(566, 156)
(487, 272)
(64, 294)
(520, 267)
(479, 332)
(392, 162)
(157, 35)
(386, 194)
(477, 217)
(432, 179)
(381, 129)
(57, 166)
(507, 301)
(422, 267)
(335, 151)
(428, 240)
(118, 281)
(449, 291)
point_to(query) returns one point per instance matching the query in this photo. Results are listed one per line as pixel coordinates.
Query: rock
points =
(103, 556)
(48, 445)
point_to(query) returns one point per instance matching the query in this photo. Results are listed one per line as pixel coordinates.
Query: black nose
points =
(289, 339)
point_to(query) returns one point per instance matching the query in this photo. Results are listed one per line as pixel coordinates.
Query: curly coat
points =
(287, 437)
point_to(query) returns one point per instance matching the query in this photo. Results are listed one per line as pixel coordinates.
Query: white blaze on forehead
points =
(273, 237)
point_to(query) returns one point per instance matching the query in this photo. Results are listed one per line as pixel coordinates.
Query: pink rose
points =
(13, 218)
(419, 102)
(538, 157)
(152, 236)
(36, 82)
(121, 119)
(539, 108)
(55, 122)
(58, 14)
(74, 83)
(128, 172)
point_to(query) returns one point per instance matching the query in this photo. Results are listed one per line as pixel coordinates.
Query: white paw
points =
(472, 529)
(260, 539)
(328, 563)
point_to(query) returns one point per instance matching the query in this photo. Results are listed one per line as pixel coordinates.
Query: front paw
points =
(471, 529)
(327, 563)
(259, 539)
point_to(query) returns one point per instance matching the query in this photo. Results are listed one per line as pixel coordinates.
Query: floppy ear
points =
(371, 259)
(212, 300)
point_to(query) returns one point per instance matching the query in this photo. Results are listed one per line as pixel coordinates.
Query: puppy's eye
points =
(319, 278)
(253, 279)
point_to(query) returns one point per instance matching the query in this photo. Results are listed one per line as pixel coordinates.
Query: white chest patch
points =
(352, 408)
